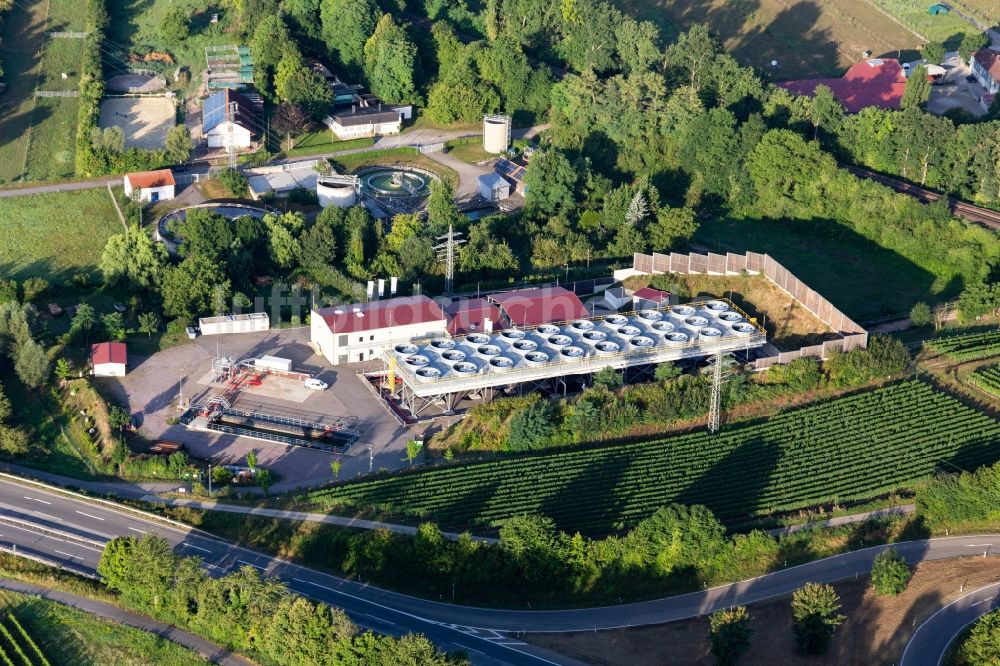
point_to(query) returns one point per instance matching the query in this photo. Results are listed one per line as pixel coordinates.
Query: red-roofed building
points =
(109, 359)
(355, 333)
(152, 186)
(877, 82)
(544, 305)
(472, 315)
(647, 297)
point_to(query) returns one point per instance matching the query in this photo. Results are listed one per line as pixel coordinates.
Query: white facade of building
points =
(358, 346)
(109, 370)
(222, 134)
(238, 323)
(365, 129)
(162, 191)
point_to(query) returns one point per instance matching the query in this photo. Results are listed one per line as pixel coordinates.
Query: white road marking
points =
(90, 516)
(257, 566)
(64, 553)
(977, 545)
(309, 582)
(981, 602)
(188, 545)
(138, 530)
(35, 499)
(45, 515)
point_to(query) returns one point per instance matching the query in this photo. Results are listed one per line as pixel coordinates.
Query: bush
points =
(890, 573)
(234, 181)
(982, 647)
(815, 617)
(532, 427)
(921, 315)
(729, 634)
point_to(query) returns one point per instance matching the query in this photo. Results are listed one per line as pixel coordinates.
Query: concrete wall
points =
(853, 336)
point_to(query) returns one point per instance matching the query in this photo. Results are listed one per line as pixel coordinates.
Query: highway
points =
(929, 643)
(71, 531)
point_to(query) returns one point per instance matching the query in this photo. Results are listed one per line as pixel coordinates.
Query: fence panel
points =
(680, 263)
(661, 263)
(716, 263)
(699, 263)
(736, 263)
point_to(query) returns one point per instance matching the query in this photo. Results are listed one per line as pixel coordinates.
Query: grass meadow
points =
(946, 28)
(55, 235)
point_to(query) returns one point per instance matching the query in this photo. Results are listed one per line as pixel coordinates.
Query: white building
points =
(493, 187)
(363, 122)
(253, 322)
(109, 359)
(355, 333)
(985, 67)
(152, 186)
(233, 119)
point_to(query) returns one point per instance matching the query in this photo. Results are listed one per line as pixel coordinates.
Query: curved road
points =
(930, 642)
(70, 532)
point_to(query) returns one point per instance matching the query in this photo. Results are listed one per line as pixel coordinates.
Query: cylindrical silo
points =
(332, 193)
(496, 134)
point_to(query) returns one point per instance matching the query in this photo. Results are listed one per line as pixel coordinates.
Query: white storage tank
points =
(496, 134)
(339, 191)
(273, 363)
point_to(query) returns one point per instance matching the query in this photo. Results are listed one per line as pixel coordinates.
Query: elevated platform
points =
(443, 371)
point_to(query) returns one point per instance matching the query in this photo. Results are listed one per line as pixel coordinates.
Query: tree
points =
(531, 427)
(972, 42)
(264, 479)
(978, 299)
(297, 84)
(149, 323)
(31, 363)
(178, 144)
(441, 209)
(347, 24)
(677, 537)
(638, 44)
(33, 287)
(827, 113)
(729, 634)
(551, 182)
(188, 287)
(234, 181)
(133, 259)
(175, 25)
(335, 466)
(933, 52)
(290, 120)
(982, 647)
(890, 573)
(461, 95)
(114, 326)
(815, 616)
(269, 44)
(83, 322)
(672, 227)
(921, 315)
(412, 450)
(609, 378)
(13, 441)
(118, 418)
(390, 59)
(252, 460)
(63, 371)
(8, 290)
(918, 89)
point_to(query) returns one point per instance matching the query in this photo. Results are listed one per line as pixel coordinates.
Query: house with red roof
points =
(150, 186)
(355, 333)
(876, 82)
(542, 305)
(109, 359)
(647, 297)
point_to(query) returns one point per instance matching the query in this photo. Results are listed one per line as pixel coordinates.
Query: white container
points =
(273, 363)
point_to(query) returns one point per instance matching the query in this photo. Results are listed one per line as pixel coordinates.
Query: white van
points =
(316, 384)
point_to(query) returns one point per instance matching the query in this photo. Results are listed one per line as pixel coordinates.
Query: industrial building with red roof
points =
(876, 82)
(543, 305)
(109, 359)
(472, 315)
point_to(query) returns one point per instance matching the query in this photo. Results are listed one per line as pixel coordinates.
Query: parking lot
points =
(153, 385)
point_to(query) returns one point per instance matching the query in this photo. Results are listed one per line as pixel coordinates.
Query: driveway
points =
(153, 385)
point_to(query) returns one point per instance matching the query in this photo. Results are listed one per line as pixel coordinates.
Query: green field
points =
(947, 28)
(55, 235)
(849, 270)
(37, 632)
(967, 347)
(851, 448)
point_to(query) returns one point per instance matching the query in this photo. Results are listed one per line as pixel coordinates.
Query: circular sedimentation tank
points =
(394, 182)
(334, 193)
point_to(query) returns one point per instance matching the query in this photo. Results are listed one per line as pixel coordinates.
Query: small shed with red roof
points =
(542, 305)
(109, 359)
(647, 297)
(472, 315)
(151, 186)
(876, 82)
(355, 333)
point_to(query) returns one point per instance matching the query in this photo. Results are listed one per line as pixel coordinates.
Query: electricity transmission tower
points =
(446, 253)
(721, 370)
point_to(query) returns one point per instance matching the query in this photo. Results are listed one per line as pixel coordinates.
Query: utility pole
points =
(231, 110)
(446, 253)
(715, 406)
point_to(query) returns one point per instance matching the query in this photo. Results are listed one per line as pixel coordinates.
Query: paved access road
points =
(485, 633)
(71, 532)
(930, 642)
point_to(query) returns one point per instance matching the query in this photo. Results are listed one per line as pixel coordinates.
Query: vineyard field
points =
(850, 448)
(988, 379)
(968, 347)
